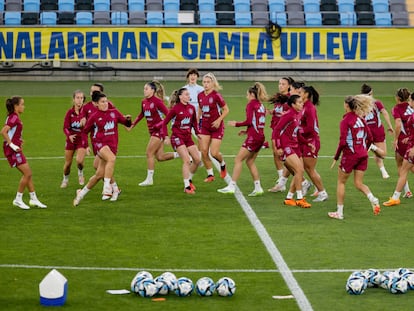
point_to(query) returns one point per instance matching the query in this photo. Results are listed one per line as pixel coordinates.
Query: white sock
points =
(210, 172)
(65, 177)
(282, 181)
(115, 187)
(19, 196)
(289, 195)
(107, 182)
(370, 197)
(222, 163)
(280, 173)
(406, 187)
(383, 170)
(176, 155)
(33, 196)
(84, 191)
(340, 209)
(80, 173)
(150, 174)
(257, 186)
(396, 195)
(299, 194)
(232, 185)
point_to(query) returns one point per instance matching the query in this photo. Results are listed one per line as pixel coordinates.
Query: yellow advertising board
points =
(206, 44)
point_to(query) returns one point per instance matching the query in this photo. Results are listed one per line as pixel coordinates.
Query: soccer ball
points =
(225, 287)
(138, 278)
(409, 276)
(162, 285)
(147, 288)
(401, 271)
(205, 286)
(373, 277)
(356, 284)
(170, 279)
(184, 287)
(386, 278)
(398, 285)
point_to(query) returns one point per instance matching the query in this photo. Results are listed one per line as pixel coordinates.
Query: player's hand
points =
(167, 140)
(333, 163)
(231, 123)
(14, 147)
(242, 133)
(390, 130)
(72, 138)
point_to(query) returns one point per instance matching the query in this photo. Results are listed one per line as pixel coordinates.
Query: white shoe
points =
(256, 193)
(106, 197)
(107, 192)
(277, 188)
(146, 182)
(20, 204)
(78, 198)
(306, 186)
(228, 189)
(335, 215)
(37, 203)
(64, 184)
(115, 195)
(81, 180)
(322, 196)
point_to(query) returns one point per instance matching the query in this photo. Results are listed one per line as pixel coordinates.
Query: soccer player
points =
(286, 138)
(309, 129)
(377, 128)
(401, 113)
(354, 141)
(184, 119)
(154, 110)
(407, 164)
(255, 123)
(212, 111)
(104, 124)
(194, 88)
(13, 151)
(76, 141)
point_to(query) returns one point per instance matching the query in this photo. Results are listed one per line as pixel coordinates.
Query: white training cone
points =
(53, 289)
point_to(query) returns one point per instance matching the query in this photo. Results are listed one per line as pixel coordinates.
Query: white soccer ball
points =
(373, 277)
(138, 278)
(386, 278)
(225, 287)
(205, 286)
(162, 285)
(171, 280)
(356, 284)
(147, 288)
(409, 276)
(398, 285)
(184, 287)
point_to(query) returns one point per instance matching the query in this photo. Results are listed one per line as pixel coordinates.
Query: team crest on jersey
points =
(112, 114)
(210, 100)
(190, 110)
(152, 105)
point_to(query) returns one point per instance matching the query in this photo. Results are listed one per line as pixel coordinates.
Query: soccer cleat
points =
(315, 193)
(335, 215)
(306, 186)
(192, 186)
(81, 180)
(321, 197)
(228, 189)
(78, 198)
(408, 195)
(20, 204)
(209, 178)
(302, 203)
(115, 195)
(189, 190)
(107, 192)
(106, 197)
(392, 202)
(376, 209)
(277, 188)
(64, 184)
(37, 203)
(385, 175)
(146, 182)
(223, 171)
(256, 193)
(290, 202)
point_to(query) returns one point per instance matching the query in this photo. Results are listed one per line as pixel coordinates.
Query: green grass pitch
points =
(101, 245)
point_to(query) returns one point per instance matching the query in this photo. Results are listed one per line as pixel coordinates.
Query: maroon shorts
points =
(307, 151)
(253, 144)
(378, 134)
(288, 151)
(213, 132)
(401, 148)
(350, 163)
(99, 146)
(83, 143)
(16, 158)
(407, 157)
(177, 141)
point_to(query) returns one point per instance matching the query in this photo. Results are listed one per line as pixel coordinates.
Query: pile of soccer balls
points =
(145, 285)
(396, 282)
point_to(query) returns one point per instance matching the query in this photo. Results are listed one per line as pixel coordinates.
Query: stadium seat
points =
(13, 5)
(383, 19)
(224, 6)
(48, 5)
(225, 18)
(260, 18)
(277, 6)
(101, 18)
(208, 18)
(348, 19)
(328, 6)
(311, 6)
(154, 5)
(83, 5)
(136, 17)
(119, 5)
(48, 18)
(102, 5)
(155, 18)
(12, 18)
(241, 6)
(397, 6)
(31, 5)
(243, 18)
(66, 18)
(363, 6)
(346, 6)
(189, 5)
(400, 18)
(295, 18)
(84, 18)
(313, 19)
(294, 6)
(171, 18)
(365, 18)
(136, 5)
(66, 5)
(259, 5)
(171, 5)
(330, 18)
(30, 18)
(119, 18)
(380, 6)
(279, 18)
(206, 6)
(1, 10)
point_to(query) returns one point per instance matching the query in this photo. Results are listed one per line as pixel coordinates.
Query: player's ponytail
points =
(259, 91)
(313, 94)
(11, 103)
(403, 94)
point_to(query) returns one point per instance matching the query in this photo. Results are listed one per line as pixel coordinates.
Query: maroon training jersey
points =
(183, 119)
(286, 130)
(154, 110)
(309, 123)
(72, 124)
(210, 106)
(402, 111)
(16, 130)
(255, 119)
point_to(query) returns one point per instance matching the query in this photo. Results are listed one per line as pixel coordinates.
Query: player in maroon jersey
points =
(184, 119)
(354, 141)
(377, 128)
(13, 151)
(408, 161)
(401, 113)
(286, 139)
(104, 124)
(255, 123)
(212, 111)
(153, 110)
(76, 140)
